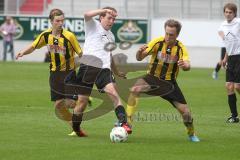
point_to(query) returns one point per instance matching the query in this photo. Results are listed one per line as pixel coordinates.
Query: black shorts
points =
(233, 69)
(58, 85)
(168, 90)
(87, 76)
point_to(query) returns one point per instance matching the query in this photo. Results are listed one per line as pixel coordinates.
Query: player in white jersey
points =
(96, 64)
(229, 31)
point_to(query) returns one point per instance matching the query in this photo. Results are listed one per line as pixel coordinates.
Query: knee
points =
(59, 104)
(229, 87)
(70, 103)
(82, 101)
(135, 90)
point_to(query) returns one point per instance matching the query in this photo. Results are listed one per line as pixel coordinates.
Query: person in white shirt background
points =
(229, 31)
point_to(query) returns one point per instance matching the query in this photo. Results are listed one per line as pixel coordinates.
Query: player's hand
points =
(19, 55)
(183, 64)
(224, 63)
(142, 48)
(141, 53)
(109, 11)
(4, 33)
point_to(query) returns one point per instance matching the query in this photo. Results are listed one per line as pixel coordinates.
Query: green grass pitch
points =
(29, 129)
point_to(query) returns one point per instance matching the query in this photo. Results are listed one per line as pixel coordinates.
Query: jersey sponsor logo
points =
(167, 58)
(57, 49)
(55, 41)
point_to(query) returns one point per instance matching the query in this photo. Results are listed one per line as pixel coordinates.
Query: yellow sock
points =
(190, 130)
(90, 98)
(131, 109)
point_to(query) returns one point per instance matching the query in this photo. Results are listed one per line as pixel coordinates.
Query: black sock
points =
(121, 114)
(217, 67)
(232, 101)
(76, 121)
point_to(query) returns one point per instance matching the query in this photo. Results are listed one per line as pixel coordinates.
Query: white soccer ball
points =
(118, 134)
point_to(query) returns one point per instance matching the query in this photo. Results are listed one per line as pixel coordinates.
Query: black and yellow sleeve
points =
(40, 41)
(184, 53)
(153, 45)
(75, 45)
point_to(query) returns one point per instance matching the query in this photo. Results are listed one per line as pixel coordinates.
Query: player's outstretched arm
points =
(224, 61)
(92, 13)
(26, 51)
(142, 53)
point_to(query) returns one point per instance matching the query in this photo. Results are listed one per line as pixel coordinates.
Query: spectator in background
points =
(8, 30)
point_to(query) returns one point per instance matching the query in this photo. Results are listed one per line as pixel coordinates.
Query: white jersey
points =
(96, 38)
(231, 36)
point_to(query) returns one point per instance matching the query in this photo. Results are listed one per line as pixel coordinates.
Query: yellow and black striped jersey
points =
(163, 62)
(61, 49)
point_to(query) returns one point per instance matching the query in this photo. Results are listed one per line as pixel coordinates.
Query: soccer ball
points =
(118, 134)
